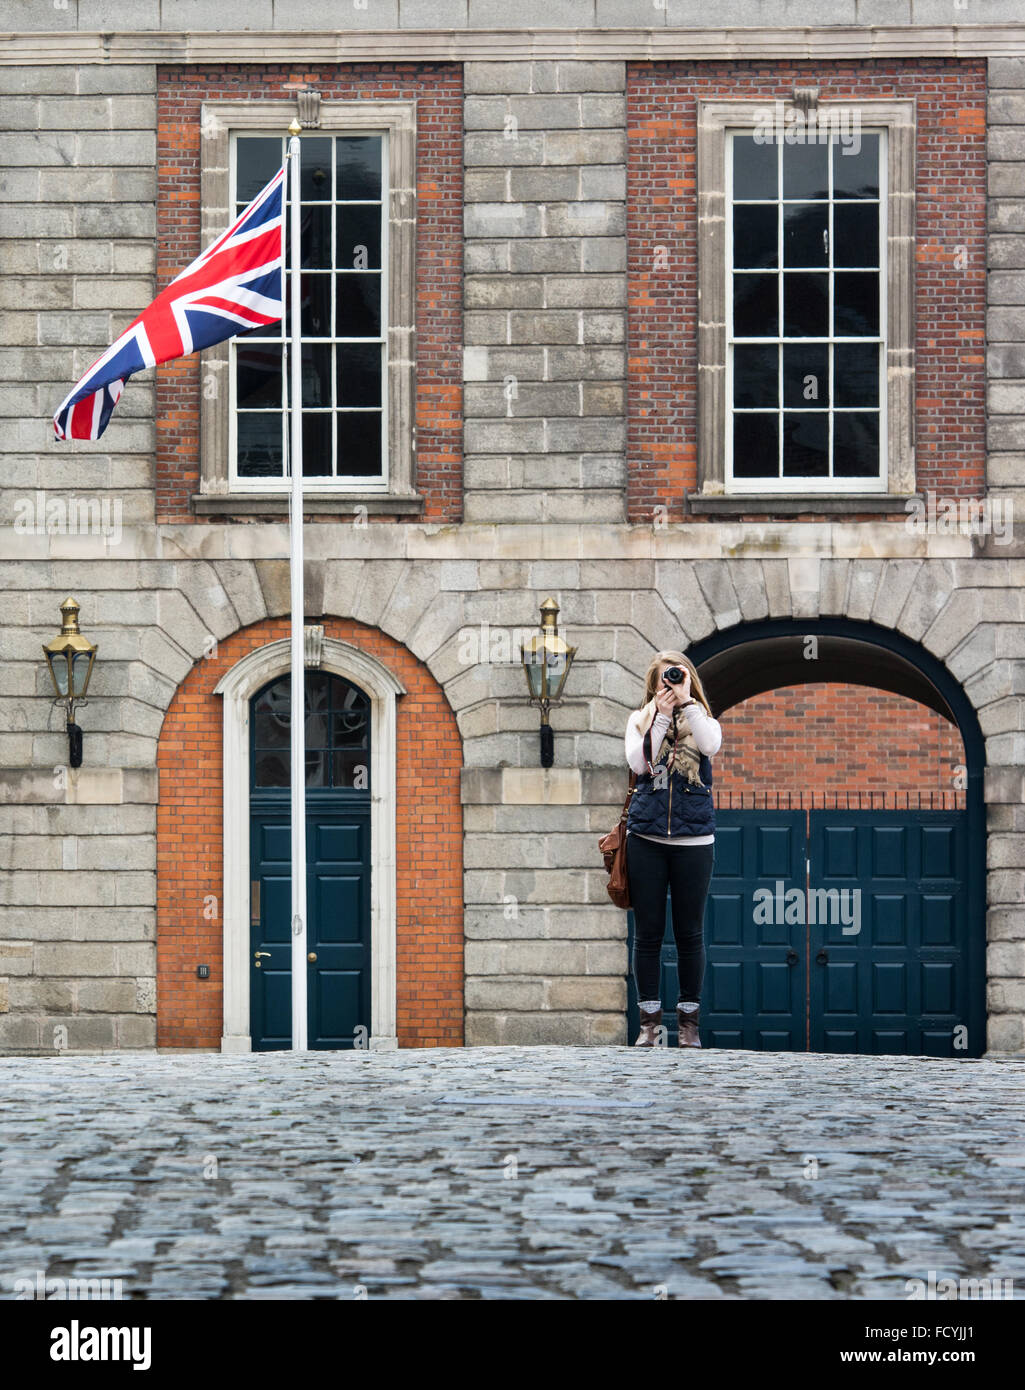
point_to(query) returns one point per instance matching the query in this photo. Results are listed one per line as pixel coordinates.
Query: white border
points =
(238, 686)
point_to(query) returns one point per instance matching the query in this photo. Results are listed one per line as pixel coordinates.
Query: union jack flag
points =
(236, 284)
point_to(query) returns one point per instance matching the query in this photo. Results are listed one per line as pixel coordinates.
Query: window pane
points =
(856, 444)
(350, 728)
(358, 238)
(316, 305)
(755, 306)
(316, 374)
(272, 717)
(805, 228)
(856, 374)
(856, 304)
(856, 234)
(856, 168)
(755, 376)
(806, 375)
(756, 446)
(359, 443)
(806, 445)
(315, 241)
(754, 168)
(755, 237)
(318, 729)
(271, 770)
(315, 170)
(805, 305)
(358, 305)
(258, 380)
(259, 445)
(806, 171)
(318, 768)
(359, 373)
(257, 160)
(316, 444)
(350, 766)
(358, 166)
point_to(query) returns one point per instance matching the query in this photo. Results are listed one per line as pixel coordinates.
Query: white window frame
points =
(783, 483)
(220, 491)
(717, 120)
(344, 482)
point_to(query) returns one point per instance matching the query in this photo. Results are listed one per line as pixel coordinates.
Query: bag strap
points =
(629, 794)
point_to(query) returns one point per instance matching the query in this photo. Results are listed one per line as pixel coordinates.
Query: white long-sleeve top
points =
(707, 734)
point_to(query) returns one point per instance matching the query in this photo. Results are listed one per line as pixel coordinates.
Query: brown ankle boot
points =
(687, 1027)
(650, 1025)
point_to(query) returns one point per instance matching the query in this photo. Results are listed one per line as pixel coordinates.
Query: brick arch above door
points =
(192, 904)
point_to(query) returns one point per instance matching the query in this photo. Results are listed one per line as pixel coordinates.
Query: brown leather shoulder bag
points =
(613, 849)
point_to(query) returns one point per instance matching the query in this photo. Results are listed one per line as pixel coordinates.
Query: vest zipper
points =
(669, 822)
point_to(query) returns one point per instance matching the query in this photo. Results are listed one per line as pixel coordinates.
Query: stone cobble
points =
(511, 1173)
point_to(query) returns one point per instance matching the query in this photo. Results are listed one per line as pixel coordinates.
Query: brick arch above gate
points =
(428, 843)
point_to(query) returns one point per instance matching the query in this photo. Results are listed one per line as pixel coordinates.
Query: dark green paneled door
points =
(900, 982)
(837, 931)
(337, 864)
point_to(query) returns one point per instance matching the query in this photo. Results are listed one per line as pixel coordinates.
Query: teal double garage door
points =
(838, 931)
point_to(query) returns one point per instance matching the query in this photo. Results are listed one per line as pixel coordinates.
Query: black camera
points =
(673, 675)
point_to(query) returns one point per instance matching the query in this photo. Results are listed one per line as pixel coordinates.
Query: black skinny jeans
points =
(685, 870)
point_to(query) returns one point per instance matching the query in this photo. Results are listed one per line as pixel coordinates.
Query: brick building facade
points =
(556, 357)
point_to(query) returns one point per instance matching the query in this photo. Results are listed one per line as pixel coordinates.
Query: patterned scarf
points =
(678, 751)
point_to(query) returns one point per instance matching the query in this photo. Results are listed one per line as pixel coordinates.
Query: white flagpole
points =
(298, 720)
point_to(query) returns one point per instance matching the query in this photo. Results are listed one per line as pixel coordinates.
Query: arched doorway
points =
(204, 953)
(351, 859)
(338, 863)
(845, 927)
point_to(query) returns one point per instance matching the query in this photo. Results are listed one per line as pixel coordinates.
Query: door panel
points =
(892, 978)
(337, 930)
(270, 974)
(339, 904)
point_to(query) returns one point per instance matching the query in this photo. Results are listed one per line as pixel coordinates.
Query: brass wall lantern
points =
(70, 658)
(546, 661)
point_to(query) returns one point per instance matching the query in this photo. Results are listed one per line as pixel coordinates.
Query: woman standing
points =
(671, 832)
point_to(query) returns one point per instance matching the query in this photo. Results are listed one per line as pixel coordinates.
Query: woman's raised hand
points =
(665, 700)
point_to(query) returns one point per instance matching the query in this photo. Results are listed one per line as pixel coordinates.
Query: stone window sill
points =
(782, 504)
(321, 503)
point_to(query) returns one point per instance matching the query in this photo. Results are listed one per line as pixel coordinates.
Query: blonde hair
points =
(652, 681)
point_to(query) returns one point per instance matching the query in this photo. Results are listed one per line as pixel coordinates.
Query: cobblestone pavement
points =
(540, 1173)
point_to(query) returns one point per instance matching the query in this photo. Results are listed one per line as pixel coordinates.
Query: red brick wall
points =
(439, 254)
(429, 930)
(661, 212)
(834, 739)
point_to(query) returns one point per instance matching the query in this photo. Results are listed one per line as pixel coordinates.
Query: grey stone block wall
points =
(78, 146)
(77, 849)
(1005, 328)
(545, 291)
(292, 15)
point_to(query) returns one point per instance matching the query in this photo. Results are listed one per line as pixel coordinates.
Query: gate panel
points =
(888, 932)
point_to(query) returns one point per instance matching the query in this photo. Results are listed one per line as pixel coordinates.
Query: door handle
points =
(312, 956)
(254, 902)
(258, 954)
(822, 957)
(791, 956)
